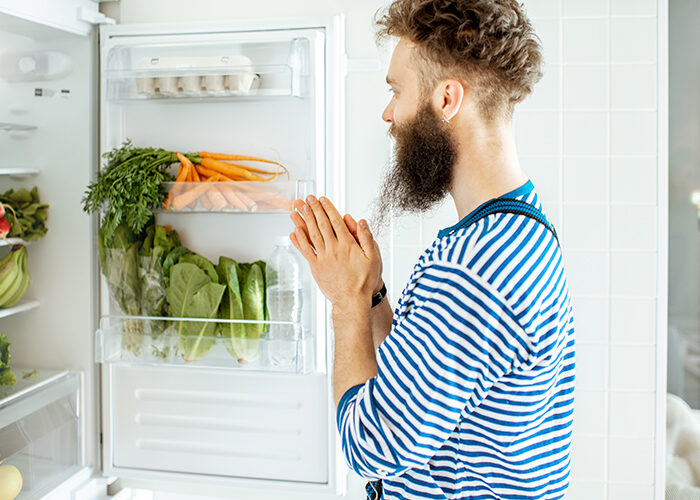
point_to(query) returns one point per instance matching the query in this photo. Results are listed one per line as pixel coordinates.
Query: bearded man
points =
(466, 389)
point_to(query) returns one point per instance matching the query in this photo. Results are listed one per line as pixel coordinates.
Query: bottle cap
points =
(282, 241)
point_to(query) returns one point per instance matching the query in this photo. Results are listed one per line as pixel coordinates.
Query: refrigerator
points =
(101, 405)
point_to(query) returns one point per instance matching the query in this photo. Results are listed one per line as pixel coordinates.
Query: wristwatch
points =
(378, 297)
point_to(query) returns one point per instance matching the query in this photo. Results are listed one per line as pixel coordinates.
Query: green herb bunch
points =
(130, 187)
(28, 215)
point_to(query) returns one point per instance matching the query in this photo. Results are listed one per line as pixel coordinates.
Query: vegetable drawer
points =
(217, 423)
(39, 430)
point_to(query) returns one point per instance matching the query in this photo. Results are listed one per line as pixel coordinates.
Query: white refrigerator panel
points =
(220, 423)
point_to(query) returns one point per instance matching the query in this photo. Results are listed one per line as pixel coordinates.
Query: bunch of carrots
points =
(220, 183)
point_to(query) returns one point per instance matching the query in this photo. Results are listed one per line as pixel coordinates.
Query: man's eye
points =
(390, 90)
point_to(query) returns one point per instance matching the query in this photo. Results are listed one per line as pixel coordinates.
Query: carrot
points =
(189, 180)
(227, 157)
(273, 174)
(195, 175)
(189, 196)
(229, 170)
(237, 198)
(205, 201)
(217, 199)
(181, 175)
(209, 172)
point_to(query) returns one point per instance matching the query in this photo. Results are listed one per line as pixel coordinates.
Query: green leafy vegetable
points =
(6, 375)
(172, 259)
(244, 299)
(159, 242)
(120, 266)
(231, 308)
(192, 294)
(130, 187)
(27, 216)
(203, 263)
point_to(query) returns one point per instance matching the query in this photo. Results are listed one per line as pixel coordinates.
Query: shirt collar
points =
(524, 189)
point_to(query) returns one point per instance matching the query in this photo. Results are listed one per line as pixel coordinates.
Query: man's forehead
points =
(400, 62)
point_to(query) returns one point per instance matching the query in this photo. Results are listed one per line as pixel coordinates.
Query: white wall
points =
(588, 138)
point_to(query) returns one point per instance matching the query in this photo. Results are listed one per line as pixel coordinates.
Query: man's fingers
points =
(312, 229)
(351, 225)
(301, 242)
(365, 237)
(321, 219)
(341, 230)
(299, 222)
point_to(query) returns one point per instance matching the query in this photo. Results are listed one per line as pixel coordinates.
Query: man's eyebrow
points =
(390, 80)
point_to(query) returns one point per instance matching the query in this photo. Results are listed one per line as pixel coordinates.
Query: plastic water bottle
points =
(284, 302)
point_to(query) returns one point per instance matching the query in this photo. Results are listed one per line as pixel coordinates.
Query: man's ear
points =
(450, 95)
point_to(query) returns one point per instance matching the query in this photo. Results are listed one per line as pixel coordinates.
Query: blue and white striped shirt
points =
(474, 393)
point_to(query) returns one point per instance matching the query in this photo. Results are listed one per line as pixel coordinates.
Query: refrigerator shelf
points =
(19, 172)
(20, 307)
(234, 197)
(8, 242)
(151, 340)
(197, 83)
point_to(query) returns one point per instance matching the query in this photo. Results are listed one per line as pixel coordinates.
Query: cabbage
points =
(192, 294)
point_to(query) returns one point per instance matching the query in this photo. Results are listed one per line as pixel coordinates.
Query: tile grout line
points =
(608, 165)
(560, 156)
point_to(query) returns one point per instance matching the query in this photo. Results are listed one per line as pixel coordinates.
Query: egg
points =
(10, 482)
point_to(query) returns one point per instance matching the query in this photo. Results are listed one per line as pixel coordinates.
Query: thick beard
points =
(421, 174)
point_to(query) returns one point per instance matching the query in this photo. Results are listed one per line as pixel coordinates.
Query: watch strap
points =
(378, 297)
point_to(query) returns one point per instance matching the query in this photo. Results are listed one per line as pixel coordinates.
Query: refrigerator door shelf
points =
(131, 340)
(201, 84)
(235, 197)
(239, 67)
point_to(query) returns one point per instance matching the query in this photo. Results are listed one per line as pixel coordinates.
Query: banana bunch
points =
(14, 276)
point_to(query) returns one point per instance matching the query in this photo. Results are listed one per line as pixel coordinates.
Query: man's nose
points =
(388, 114)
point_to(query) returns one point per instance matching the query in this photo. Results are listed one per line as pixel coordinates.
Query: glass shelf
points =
(8, 242)
(164, 341)
(19, 172)
(234, 197)
(22, 306)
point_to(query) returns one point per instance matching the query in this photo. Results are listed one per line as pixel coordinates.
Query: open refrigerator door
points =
(195, 392)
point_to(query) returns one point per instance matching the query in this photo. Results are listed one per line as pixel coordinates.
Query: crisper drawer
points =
(39, 430)
(218, 422)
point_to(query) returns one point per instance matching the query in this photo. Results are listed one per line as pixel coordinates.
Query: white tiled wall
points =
(587, 138)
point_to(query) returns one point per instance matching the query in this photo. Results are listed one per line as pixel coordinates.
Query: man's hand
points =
(345, 264)
(353, 227)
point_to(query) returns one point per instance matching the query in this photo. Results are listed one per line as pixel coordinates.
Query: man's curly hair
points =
(489, 45)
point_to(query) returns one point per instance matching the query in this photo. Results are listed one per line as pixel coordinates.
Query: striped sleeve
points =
(437, 364)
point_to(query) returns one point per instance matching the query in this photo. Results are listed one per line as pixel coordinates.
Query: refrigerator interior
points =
(222, 420)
